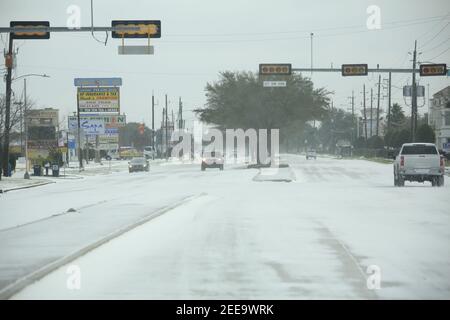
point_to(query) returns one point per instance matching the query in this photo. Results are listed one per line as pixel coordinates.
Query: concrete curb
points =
(23, 282)
(26, 187)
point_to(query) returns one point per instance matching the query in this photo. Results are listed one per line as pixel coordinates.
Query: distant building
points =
(439, 117)
(371, 118)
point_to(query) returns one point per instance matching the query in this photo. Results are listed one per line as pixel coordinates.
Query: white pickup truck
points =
(419, 162)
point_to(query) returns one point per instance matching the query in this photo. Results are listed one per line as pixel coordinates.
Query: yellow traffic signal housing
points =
(433, 70)
(354, 70)
(275, 69)
(28, 25)
(147, 29)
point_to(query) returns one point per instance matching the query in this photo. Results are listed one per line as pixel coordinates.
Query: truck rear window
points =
(419, 150)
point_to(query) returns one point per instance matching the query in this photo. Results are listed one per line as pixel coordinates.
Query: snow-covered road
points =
(234, 237)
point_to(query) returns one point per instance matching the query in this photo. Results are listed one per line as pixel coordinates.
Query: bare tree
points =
(17, 114)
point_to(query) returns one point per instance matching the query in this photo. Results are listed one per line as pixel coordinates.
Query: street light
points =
(31, 75)
(27, 175)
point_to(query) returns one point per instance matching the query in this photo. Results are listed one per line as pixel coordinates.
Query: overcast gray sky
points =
(200, 38)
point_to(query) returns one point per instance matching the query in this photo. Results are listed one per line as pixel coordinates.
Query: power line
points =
(428, 31)
(364, 30)
(435, 47)
(434, 37)
(440, 54)
(423, 20)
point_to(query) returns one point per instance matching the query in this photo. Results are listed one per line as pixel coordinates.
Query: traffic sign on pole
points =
(274, 84)
(136, 50)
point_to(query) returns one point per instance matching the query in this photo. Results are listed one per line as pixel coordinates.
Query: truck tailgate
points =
(419, 162)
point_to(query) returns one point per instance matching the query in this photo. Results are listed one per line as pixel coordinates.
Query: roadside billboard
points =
(92, 127)
(99, 99)
(42, 128)
(97, 82)
(109, 138)
(110, 121)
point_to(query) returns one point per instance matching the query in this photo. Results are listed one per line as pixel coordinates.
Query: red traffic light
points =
(354, 70)
(433, 70)
(141, 128)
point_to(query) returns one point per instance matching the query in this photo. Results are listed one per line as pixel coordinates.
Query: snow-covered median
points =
(16, 183)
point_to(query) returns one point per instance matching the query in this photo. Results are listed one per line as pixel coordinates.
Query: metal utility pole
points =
(166, 131)
(312, 35)
(414, 97)
(365, 112)
(80, 152)
(26, 175)
(180, 114)
(389, 102)
(153, 121)
(353, 116)
(9, 64)
(371, 112)
(22, 112)
(378, 105)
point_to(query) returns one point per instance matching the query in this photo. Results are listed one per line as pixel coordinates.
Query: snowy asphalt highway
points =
(233, 237)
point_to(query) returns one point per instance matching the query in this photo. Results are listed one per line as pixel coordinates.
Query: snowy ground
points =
(313, 237)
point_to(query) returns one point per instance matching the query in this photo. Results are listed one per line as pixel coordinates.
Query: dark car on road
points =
(138, 164)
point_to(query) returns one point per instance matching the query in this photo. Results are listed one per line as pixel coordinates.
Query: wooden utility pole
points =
(378, 105)
(414, 97)
(9, 62)
(389, 102)
(371, 112)
(365, 112)
(166, 132)
(153, 121)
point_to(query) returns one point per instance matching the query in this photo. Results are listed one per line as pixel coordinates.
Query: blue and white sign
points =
(111, 131)
(92, 127)
(97, 82)
(71, 144)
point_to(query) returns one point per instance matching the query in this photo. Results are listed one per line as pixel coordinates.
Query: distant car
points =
(419, 162)
(138, 164)
(112, 154)
(311, 154)
(150, 152)
(214, 160)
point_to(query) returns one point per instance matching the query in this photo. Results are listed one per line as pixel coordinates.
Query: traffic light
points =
(433, 69)
(141, 128)
(28, 34)
(147, 28)
(279, 69)
(354, 70)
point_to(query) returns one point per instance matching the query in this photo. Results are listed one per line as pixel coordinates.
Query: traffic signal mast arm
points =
(383, 70)
(65, 29)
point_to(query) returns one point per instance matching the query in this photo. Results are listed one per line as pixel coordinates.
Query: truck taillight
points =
(402, 161)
